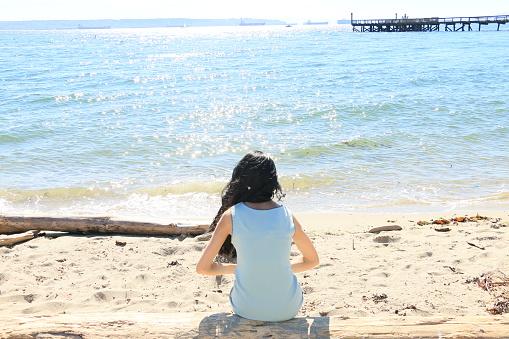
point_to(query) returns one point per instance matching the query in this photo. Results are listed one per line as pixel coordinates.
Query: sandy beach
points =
(415, 271)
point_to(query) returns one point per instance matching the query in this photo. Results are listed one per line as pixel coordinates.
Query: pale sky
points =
(296, 11)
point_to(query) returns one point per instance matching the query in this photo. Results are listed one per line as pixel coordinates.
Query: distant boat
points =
(242, 23)
(309, 22)
(93, 27)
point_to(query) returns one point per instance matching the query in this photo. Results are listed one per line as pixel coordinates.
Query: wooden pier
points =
(433, 24)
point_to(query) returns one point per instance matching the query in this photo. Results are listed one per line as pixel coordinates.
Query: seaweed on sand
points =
(497, 284)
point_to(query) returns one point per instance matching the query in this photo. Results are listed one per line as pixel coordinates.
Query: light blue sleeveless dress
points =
(265, 287)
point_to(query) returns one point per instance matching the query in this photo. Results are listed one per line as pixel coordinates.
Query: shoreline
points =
(196, 209)
(415, 271)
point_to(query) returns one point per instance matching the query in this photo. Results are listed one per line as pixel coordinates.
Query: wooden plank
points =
(90, 225)
(385, 228)
(226, 325)
(16, 238)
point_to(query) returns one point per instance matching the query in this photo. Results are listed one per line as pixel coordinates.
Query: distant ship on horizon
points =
(242, 23)
(309, 22)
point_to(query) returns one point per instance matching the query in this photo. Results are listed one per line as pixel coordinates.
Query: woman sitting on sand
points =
(262, 231)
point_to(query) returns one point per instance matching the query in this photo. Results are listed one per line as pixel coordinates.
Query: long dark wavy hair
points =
(254, 179)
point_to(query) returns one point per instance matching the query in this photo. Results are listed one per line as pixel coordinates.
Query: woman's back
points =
(265, 287)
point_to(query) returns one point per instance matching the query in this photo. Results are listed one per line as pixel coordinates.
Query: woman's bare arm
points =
(309, 258)
(206, 264)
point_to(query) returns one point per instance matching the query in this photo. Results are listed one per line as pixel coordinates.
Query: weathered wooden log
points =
(16, 238)
(90, 225)
(385, 228)
(225, 325)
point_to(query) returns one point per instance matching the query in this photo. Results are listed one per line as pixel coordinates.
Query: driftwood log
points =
(16, 238)
(385, 228)
(225, 325)
(90, 225)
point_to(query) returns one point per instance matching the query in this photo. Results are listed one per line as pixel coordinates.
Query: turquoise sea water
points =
(150, 122)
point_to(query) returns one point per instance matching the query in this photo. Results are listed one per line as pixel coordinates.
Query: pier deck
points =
(451, 24)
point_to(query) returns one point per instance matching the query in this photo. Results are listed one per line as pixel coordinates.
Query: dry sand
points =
(413, 271)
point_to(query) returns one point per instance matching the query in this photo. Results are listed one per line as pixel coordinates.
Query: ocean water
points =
(151, 122)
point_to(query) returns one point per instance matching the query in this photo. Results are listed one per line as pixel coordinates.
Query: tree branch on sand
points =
(91, 225)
